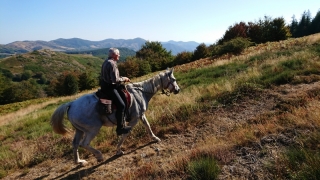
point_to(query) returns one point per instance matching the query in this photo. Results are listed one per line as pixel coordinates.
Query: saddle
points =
(106, 106)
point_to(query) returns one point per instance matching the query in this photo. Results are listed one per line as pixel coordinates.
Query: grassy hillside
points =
(252, 116)
(50, 63)
(103, 53)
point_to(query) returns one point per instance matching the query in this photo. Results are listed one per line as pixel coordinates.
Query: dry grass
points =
(19, 114)
(258, 124)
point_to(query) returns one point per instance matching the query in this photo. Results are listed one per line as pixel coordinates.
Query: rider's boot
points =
(121, 127)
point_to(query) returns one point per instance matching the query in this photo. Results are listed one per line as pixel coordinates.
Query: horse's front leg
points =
(119, 151)
(148, 128)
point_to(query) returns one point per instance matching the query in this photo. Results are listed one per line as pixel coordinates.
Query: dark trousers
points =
(113, 93)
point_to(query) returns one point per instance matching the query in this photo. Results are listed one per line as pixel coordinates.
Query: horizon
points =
(199, 21)
(99, 40)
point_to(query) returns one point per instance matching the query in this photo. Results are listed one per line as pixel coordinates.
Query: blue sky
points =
(153, 20)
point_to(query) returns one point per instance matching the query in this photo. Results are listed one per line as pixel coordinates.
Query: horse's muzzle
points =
(176, 91)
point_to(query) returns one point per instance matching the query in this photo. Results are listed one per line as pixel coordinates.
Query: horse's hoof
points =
(120, 153)
(156, 139)
(100, 160)
(83, 163)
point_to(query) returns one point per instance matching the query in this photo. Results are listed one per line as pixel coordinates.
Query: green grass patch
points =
(203, 168)
(284, 72)
(303, 163)
(205, 76)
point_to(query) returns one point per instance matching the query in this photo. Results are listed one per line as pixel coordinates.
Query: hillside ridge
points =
(77, 44)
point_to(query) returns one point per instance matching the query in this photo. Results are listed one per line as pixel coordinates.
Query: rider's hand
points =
(126, 79)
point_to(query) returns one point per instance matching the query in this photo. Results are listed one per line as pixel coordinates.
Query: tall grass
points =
(203, 168)
(30, 141)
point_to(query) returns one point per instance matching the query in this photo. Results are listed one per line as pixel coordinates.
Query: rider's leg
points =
(120, 114)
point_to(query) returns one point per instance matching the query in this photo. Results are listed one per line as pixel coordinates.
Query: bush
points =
(182, 58)
(234, 46)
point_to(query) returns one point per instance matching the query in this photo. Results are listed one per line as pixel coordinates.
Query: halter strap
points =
(163, 88)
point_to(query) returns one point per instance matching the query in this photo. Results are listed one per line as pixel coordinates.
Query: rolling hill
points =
(77, 44)
(251, 116)
(50, 63)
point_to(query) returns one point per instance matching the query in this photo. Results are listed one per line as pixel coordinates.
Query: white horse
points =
(85, 118)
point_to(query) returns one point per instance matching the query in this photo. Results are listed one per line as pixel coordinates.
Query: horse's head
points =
(169, 82)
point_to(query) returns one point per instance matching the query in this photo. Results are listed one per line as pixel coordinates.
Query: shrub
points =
(234, 46)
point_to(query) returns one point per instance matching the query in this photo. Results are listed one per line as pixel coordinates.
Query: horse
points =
(84, 116)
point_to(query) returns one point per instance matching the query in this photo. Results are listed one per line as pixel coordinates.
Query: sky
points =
(202, 21)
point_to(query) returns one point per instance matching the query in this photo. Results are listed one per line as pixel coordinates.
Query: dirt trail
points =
(248, 162)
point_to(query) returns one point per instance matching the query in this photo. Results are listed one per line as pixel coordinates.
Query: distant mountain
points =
(103, 53)
(77, 44)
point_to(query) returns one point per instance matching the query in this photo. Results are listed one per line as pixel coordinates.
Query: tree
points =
(5, 89)
(25, 90)
(144, 67)
(70, 84)
(87, 81)
(182, 58)
(254, 32)
(6, 73)
(134, 67)
(294, 27)
(157, 56)
(129, 68)
(278, 30)
(315, 24)
(303, 28)
(200, 52)
(26, 75)
(237, 30)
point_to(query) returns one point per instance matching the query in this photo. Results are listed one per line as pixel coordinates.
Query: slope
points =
(256, 115)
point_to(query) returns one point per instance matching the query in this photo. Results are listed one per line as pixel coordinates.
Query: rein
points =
(163, 89)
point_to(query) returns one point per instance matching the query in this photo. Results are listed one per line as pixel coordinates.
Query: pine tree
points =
(315, 24)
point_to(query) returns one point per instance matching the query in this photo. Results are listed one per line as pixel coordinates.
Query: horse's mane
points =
(149, 85)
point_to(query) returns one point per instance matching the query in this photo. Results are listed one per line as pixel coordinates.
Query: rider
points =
(110, 83)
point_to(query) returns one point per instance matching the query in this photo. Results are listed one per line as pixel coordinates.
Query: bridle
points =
(165, 89)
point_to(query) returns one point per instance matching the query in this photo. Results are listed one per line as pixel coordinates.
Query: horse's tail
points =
(57, 118)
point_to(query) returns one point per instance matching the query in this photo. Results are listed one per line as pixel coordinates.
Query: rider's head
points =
(114, 53)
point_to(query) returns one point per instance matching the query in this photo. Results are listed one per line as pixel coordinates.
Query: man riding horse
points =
(110, 85)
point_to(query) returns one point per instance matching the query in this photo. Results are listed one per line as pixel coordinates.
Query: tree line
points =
(68, 83)
(154, 57)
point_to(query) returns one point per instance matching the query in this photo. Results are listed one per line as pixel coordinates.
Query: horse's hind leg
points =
(75, 144)
(148, 128)
(86, 144)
